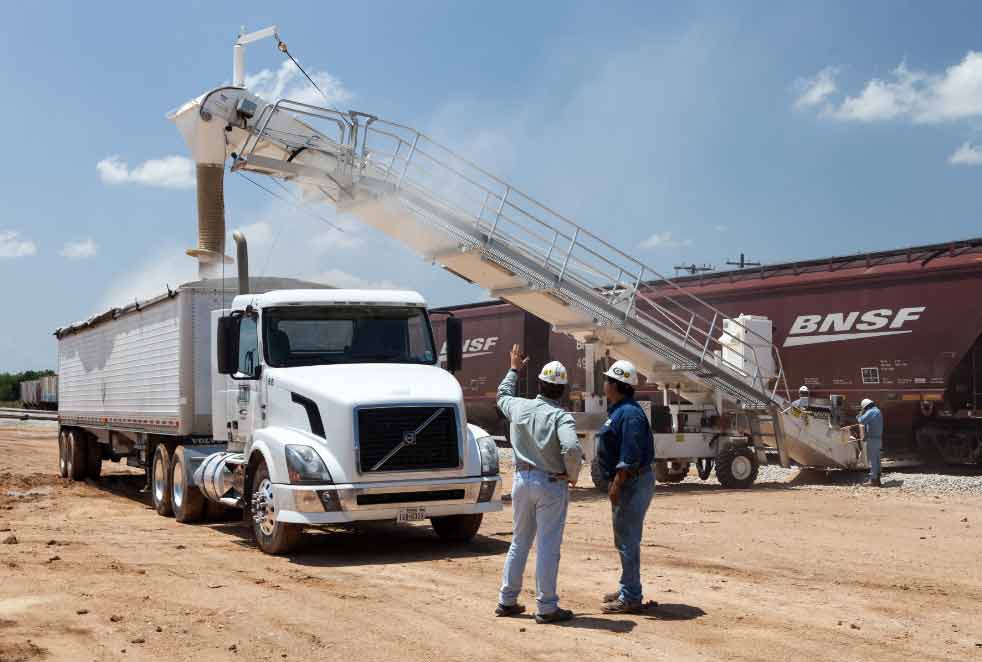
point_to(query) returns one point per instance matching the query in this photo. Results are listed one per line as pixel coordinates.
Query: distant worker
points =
(548, 458)
(872, 421)
(625, 451)
(802, 401)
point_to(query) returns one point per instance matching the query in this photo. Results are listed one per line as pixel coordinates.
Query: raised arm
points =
(506, 389)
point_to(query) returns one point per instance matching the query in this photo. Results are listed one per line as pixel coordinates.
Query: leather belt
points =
(525, 466)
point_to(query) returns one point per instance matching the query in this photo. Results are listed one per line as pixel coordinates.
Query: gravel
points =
(927, 480)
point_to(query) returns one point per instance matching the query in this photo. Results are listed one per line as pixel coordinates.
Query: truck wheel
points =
(186, 500)
(457, 528)
(273, 537)
(597, 475)
(93, 459)
(665, 474)
(160, 481)
(76, 456)
(63, 453)
(736, 468)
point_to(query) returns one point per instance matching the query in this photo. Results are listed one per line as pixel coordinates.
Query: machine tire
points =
(457, 528)
(160, 481)
(664, 475)
(271, 536)
(597, 475)
(736, 468)
(63, 453)
(186, 500)
(93, 459)
(76, 456)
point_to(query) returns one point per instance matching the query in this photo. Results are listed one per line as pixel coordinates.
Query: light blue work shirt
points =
(872, 420)
(543, 434)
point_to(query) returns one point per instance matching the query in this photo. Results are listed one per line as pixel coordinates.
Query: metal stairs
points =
(484, 230)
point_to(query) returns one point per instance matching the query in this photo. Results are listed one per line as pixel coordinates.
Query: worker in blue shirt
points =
(871, 419)
(625, 451)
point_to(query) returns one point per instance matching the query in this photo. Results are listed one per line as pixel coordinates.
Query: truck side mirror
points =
(455, 344)
(228, 345)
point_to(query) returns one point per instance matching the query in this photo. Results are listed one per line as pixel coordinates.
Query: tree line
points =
(10, 382)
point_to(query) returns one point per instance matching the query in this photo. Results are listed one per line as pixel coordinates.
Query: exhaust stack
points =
(242, 260)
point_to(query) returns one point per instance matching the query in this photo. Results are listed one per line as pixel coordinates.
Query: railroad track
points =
(28, 414)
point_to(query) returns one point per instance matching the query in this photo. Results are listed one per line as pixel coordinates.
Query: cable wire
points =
(283, 49)
(291, 201)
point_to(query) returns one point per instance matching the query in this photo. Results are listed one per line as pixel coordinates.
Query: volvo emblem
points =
(409, 438)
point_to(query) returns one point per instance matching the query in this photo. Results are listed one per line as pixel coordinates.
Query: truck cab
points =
(334, 410)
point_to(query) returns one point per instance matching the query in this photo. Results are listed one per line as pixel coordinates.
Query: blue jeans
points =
(539, 508)
(873, 454)
(635, 497)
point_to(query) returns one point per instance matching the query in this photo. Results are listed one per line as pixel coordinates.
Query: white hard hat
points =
(623, 371)
(554, 372)
(865, 403)
(803, 389)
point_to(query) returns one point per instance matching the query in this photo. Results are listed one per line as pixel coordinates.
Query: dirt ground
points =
(774, 573)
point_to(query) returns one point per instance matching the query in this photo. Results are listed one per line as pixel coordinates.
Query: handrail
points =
(578, 255)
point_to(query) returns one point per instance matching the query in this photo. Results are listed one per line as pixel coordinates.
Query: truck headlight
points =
(304, 465)
(489, 456)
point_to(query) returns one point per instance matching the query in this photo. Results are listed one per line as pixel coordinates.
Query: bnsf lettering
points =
(871, 320)
(474, 345)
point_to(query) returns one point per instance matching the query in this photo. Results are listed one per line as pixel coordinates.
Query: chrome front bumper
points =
(305, 504)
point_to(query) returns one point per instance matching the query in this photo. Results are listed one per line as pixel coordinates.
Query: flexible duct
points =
(211, 207)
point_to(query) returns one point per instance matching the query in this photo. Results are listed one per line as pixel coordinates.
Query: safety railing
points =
(567, 254)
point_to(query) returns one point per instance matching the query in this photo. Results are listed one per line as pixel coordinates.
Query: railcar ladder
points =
(486, 231)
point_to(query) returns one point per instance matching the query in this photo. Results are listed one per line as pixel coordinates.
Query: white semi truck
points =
(303, 407)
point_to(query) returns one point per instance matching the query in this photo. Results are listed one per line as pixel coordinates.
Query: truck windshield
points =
(318, 335)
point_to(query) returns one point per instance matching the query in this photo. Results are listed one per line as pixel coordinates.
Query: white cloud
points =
(11, 245)
(919, 96)
(347, 236)
(77, 250)
(288, 82)
(721, 228)
(814, 91)
(967, 154)
(664, 240)
(174, 172)
(343, 279)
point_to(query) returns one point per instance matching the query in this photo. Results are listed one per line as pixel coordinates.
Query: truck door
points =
(246, 398)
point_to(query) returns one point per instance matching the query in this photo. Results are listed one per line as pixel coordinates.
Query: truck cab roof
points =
(330, 297)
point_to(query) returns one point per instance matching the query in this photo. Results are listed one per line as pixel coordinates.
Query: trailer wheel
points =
(76, 456)
(457, 528)
(186, 500)
(736, 468)
(63, 453)
(597, 475)
(273, 537)
(160, 481)
(665, 474)
(93, 459)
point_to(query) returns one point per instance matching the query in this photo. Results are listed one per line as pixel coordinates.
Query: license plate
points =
(411, 515)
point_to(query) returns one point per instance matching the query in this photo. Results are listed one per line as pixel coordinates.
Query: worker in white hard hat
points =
(625, 452)
(548, 458)
(871, 419)
(803, 398)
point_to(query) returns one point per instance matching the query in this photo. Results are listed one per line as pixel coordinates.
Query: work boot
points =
(611, 597)
(622, 606)
(557, 616)
(509, 610)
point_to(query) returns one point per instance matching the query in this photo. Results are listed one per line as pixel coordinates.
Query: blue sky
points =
(685, 132)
